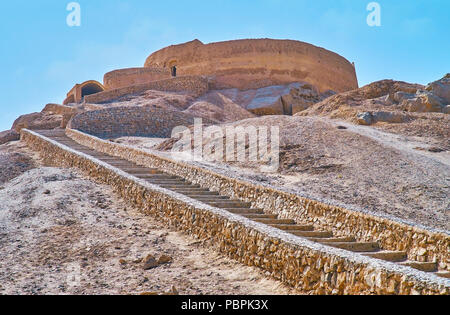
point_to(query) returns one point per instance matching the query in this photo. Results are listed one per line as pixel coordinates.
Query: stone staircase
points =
(244, 209)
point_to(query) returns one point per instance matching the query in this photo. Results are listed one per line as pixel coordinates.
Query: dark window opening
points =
(90, 89)
(174, 71)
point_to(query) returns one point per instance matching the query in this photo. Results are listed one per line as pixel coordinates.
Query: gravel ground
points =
(15, 159)
(63, 234)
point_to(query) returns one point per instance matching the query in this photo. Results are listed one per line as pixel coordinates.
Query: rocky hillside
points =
(398, 107)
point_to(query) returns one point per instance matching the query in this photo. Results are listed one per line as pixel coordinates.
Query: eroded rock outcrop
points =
(38, 121)
(8, 136)
(441, 88)
(384, 101)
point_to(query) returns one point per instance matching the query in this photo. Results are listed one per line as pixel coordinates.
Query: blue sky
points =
(42, 57)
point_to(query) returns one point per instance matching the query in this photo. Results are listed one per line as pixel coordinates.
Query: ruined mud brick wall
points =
(79, 91)
(196, 85)
(59, 109)
(308, 266)
(256, 63)
(420, 244)
(133, 76)
(130, 121)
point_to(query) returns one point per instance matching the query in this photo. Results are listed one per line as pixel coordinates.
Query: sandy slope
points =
(63, 234)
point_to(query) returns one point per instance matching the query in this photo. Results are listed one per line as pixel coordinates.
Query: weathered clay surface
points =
(15, 159)
(215, 106)
(441, 88)
(63, 233)
(195, 85)
(133, 76)
(397, 107)
(79, 91)
(256, 63)
(37, 121)
(8, 136)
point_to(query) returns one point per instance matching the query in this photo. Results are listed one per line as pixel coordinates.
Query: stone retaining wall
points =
(125, 77)
(130, 121)
(308, 266)
(197, 85)
(420, 244)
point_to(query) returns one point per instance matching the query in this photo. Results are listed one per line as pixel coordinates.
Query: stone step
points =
(166, 181)
(393, 256)
(356, 246)
(59, 137)
(209, 198)
(142, 175)
(315, 234)
(52, 133)
(332, 239)
(242, 211)
(276, 221)
(118, 164)
(229, 204)
(204, 193)
(94, 153)
(158, 176)
(260, 216)
(138, 170)
(119, 161)
(443, 274)
(423, 266)
(197, 192)
(292, 228)
(179, 186)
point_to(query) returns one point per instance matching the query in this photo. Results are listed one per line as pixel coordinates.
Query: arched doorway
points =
(79, 91)
(173, 68)
(91, 88)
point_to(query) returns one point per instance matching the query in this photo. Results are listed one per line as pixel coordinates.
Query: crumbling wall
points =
(196, 85)
(130, 121)
(256, 63)
(133, 76)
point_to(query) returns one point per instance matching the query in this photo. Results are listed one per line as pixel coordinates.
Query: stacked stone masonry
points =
(130, 121)
(310, 267)
(420, 244)
(133, 76)
(196, 85)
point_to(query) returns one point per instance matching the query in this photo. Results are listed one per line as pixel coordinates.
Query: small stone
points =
(164, 259)
(365, 119)
(436, 150)
(174, 291)
(150, 263)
